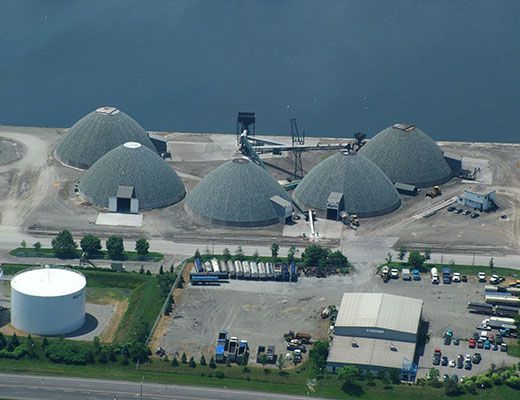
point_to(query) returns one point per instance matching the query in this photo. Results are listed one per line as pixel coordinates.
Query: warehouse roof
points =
(135, 167)
(407, 155)
(48, 282)
(96, 134)
(377, 352)
(237, 193)
(380, 310)
(366, 190)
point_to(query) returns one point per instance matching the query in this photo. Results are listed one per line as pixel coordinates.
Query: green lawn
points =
(49, 253)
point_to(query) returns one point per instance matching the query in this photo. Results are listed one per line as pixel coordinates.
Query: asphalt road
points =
(28, 387)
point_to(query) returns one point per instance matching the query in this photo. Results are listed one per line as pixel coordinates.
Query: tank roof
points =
(48, 282)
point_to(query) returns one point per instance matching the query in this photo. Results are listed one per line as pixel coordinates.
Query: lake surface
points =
(450, 67)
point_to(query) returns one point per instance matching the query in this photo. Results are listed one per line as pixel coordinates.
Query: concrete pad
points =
(117, 219)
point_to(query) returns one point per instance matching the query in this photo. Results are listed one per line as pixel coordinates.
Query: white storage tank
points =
(48, 301)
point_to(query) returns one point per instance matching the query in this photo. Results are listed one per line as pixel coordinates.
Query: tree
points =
(415, 259)
(513, 382)
(15, 341)
(263, 359)
(97, 345)
(427, 254)
(348, 374)
(313, 254)
(469, 386)
(184, 358)
(491, 263)
(280, 363)
(115, 247)
(161, 270)
(91, 245)
(226, 254)
(338, 261)
(451, 387)
(212, 363)
(483, 381)
(291, 253)
(31, 351)
(141, 247)
(192, 363)
(197, 253)
(23, 244)
(388, 258)
(175, 362)
(64, 245)
(202, 360)
(45, 342)
(37, 246)
(433, 376)
(275, 248)
(319, 353)
(3, 341)
(171, 269)
(402, 253)
(239, 254)
(141, 270)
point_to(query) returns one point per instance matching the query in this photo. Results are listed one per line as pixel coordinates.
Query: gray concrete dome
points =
(366, 191)
(96, 134)
(407, 155)
(237, 193)
(155, 183)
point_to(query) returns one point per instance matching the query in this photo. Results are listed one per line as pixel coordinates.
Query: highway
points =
(29, 387)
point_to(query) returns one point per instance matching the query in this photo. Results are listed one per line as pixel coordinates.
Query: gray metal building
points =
(482, 201)
(375, 331)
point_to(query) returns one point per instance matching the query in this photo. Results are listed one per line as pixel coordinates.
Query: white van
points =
(435, 275)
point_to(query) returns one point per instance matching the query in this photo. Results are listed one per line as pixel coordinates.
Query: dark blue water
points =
(450, 67)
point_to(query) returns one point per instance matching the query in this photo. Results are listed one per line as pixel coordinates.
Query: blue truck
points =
(203, 279)
(294, 272)
(285, 272)
(446, 275)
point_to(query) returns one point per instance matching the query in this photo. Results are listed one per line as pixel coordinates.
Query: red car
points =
(472, 343)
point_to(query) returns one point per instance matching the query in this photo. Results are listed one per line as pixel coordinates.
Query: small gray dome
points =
(407, 155)
(237, 193)
(96, 134)
(366, 191)
(155, 183)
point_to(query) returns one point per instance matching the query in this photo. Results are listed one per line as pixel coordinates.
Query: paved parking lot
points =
(488, 357)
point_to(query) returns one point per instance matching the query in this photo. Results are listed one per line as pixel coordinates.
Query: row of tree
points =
(65, 247)
(240, 255)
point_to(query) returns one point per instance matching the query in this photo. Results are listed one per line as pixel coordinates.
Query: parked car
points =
(447, 340)
(460, 361)
(472, 343)
(494, 347)
(476, 358)
(467, 365)
(487, 345)
(494, 280)
(444, 361)
(456, 341)
(394, 273)
(464, 278)
(416, 275)
(436, 360)
(480, 344)
(481, 277)
(475, 215)
(451, 208)
(503, 347)
(452, 364)
(456, 277)
(458, 211)
(466, 212)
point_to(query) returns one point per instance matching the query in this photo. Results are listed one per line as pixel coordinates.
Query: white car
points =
(394, 273)
(494, 280)
(452, 364)
(456, 277)
(467, 358)
(481, 277)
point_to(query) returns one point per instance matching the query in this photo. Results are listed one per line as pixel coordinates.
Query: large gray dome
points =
(407, 155)
(237, 193)
(155, 184)
(366, 191)
(96, 134)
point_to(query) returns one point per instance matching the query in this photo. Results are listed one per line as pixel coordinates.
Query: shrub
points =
(220, 374)
(513, 382)
(69, 353)
(175, 362)
(192, 363)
